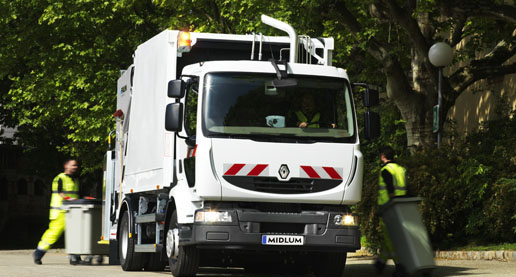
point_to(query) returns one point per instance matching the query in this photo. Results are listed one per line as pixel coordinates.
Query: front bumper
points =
(248, 227)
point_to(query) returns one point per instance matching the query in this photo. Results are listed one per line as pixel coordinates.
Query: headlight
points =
(345, 220)
(212, 216)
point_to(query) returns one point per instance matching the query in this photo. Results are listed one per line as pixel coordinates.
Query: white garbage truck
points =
(234, 151)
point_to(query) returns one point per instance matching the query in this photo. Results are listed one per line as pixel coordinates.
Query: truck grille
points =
(273, 185)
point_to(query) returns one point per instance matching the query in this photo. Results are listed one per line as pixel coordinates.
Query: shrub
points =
(468, 187)
(500, 211)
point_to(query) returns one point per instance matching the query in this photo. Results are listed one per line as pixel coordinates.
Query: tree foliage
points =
(397, 35)
(59, 60)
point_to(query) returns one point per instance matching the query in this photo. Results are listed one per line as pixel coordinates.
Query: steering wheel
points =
(323, 124)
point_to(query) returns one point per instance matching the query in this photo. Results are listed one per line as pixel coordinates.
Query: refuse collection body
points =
(408, 234)
(83, 227)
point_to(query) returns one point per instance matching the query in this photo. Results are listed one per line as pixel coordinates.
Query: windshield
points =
(248, 105)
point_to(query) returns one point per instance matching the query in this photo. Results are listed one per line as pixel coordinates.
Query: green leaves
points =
(59, 60)
(59, 71)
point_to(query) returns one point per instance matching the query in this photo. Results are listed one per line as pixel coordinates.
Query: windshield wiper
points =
(287, 138)
(231, 136)
(281, 138)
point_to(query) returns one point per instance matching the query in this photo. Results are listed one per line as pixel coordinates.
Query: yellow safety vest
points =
(301, 117)
(398, 181)
(70, 189)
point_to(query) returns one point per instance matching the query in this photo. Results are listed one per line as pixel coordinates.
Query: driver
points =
(307, 116)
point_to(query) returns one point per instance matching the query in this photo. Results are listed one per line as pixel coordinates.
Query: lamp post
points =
(440, 55)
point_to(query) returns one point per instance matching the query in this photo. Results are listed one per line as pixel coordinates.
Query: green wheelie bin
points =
(408, 235)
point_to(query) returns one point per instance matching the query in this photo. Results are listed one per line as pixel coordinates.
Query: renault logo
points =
(283, 171)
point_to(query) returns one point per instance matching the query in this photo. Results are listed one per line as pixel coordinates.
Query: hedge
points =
(468, 186)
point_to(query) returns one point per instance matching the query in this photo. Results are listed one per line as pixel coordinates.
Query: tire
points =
(100, 259)
(329, 264)
(129, 260)
(154, 263)
(186, 261)
(75, 259)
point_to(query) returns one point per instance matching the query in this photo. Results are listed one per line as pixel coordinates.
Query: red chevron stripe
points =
(194, 150)
(310, 171)
(233, 170)
(257, 169)
(332, 172)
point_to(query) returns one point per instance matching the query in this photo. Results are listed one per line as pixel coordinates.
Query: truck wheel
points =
(100, 259)
(329, 264)
(183, 260)
(129, 260)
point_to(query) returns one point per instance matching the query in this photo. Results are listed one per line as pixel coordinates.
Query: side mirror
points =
(372, 125)
(176, 89)
(371, 98)
(174, 117)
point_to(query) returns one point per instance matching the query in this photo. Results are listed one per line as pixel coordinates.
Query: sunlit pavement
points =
(19, 263)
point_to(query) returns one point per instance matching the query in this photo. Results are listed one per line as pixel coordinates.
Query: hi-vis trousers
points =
(54, 231)
(386, 248)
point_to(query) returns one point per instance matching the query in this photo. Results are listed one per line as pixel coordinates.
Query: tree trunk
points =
(419, 115)
(416, 106)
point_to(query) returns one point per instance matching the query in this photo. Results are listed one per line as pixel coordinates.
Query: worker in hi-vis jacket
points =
(391, 184)
(65, 187)
(307, 116)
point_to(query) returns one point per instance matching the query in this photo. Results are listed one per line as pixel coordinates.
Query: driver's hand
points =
(303, 125)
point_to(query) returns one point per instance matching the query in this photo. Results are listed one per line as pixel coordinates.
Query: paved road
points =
(18, 263)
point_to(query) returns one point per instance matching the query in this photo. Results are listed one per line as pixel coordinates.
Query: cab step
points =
(149, 218)
(148, 248)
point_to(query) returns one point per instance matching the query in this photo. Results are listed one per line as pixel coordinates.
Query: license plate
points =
(282, 240)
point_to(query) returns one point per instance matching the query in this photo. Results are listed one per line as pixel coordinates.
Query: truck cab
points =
(243, 130)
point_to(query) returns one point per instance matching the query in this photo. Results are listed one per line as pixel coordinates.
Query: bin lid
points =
(402, 199)
(83, 202)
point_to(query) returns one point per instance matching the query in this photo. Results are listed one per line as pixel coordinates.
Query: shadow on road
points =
(364, 267)
(356, 267)
(239, 272)
(452, 271)
(361, 267)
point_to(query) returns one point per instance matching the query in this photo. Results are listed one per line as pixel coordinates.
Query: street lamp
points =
(440, 55)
